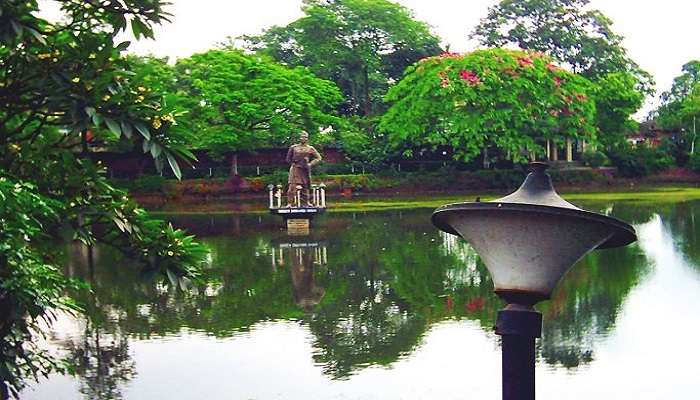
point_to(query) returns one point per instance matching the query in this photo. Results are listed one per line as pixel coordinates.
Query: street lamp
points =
(528, 240)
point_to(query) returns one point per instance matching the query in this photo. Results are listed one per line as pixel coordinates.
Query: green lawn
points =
(642, 196)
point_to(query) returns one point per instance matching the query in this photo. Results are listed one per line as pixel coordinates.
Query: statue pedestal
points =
(298, 219)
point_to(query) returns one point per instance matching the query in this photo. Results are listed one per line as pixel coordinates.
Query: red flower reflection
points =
(475, 305)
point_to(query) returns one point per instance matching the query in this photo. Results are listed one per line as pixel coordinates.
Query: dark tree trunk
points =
(234, 164)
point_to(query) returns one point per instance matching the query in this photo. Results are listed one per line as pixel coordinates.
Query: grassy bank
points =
(641, 196)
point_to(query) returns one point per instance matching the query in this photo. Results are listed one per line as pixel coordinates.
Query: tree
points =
(63, 87)
(512, 100)
(581, 39)
(616, 98)
(240, 102)
(677, 103)
(361, 45)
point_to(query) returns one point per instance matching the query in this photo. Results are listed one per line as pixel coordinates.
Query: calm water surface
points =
(380, 306)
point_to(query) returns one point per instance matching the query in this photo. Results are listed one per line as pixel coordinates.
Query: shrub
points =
(594, 158)
(638, 161)
(577, 177)
(143, 184)
(277, 177)
(500, 178)
(694, 162)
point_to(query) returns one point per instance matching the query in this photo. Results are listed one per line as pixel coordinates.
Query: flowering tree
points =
(511, 100)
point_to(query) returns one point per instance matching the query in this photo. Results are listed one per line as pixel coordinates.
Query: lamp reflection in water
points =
(302, 257)
(528, 240)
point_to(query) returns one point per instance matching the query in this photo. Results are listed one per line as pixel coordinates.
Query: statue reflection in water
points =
(302, 258)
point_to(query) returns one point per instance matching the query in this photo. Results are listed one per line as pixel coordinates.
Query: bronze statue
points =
(302, 157)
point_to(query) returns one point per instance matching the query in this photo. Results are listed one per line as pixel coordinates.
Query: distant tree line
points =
(341, 72)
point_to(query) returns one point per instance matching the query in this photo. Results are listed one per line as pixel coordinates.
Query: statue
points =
(302, 157)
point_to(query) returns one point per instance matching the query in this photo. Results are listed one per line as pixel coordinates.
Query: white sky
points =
(660, 35)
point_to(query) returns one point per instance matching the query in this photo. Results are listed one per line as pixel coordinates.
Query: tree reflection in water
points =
(367, 286)
(683, 222)
(100, 355)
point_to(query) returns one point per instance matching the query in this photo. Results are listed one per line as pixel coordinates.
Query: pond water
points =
(380, 305)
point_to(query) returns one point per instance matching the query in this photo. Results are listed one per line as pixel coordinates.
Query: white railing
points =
(317, 197)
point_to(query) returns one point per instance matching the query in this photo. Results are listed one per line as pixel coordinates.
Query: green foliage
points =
(594, 158)
(510, 100)
(694, 162)
(680, 103)
(579, 178)
(240, 102)
(275, 178)
(364, 144)
(677, 147)
(582, 39)
(361, 45)
(564, 29)
(638, 161)
(500, 178)
(31, 289)
(146, 183)
(355, 182)
(63, 87)
(617, 98)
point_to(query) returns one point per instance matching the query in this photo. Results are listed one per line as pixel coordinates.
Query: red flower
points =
(552, 68)
(524, 61)
(448, 54)
(470, 77)
(558, 81)
(581, 97)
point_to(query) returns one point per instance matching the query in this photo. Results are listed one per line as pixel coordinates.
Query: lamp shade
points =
(530, 238)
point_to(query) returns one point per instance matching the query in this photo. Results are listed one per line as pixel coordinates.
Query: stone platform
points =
(297, 212)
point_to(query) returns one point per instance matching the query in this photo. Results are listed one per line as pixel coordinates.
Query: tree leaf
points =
(173, 165)
(159, 164)
(144, 131)
(172, 277)
(127, 129)
(123, 45)
(38, 36)
(113, 126)
(120, 224)
(156, 150)
(17, 28)
(96, 119)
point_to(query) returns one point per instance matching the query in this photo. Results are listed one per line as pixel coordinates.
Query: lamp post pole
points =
(518, 326)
